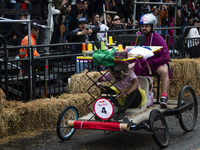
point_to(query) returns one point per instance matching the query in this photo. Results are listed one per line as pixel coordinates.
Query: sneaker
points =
(120, 113)
(119, 116)
(163, 102)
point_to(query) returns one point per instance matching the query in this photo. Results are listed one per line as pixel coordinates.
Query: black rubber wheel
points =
(68, 113)
(159, 128)
(188, 118)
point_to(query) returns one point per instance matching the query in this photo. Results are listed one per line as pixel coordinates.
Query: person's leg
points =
(79, 67)
(88, 65)
(165, 31)
(162, 71)
(133, 101)
(159, 31)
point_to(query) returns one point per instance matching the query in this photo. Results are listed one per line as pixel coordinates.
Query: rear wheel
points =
(188, 118)
(68, 113)
(159, 128)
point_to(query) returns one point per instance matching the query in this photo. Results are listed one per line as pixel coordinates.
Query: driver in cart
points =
(125, 81)
(160, 61)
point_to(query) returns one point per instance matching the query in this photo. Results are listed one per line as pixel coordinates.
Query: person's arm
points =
(133, 87)
(164, 57)
(18, 31)
(21, 54)
(62, 5)
(74, 34)
(113, 3)
(95, 29)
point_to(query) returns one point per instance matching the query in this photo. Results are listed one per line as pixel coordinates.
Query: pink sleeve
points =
(132, 75)
(107, 76)
(172, 30)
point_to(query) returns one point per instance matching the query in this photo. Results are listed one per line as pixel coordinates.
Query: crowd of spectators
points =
(67, 13)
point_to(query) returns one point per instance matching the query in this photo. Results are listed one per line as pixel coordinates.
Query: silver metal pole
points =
(175, 17)
(30, 55)
(48, 28)
(104, 14)
(134, 13)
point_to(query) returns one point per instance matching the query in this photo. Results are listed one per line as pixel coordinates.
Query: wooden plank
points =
(135, 119)
(87, 117)
(135, 115)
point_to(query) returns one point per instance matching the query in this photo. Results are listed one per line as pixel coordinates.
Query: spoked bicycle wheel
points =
(188, 118)
(68, 113)
(159, 128)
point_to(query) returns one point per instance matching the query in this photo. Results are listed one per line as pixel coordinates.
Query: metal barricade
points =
(191, 44)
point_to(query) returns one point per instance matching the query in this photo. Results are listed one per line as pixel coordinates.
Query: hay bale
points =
(184, 72)
(40, 114)
(9, 121)
(80, 83)
(81, 101)
(2, 100)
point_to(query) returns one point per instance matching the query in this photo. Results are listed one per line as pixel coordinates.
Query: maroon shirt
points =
(159, 58)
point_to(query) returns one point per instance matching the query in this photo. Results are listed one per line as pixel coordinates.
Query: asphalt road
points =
(95, 139)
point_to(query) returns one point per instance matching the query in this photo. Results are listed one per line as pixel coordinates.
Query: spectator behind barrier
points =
(77, 12)
(184, 9)
(66, 20)
(59, 4)
(163, 20)
(189, 23)
(108, 20)
(95, 21)
(193, 33)
(14, 4)
(24, 53)
(155, 11)
(142, 9)
(116, 25)
(17, 32)
(39, 14)
(81, 34)
(85, 8)
(181, 22)
(91, 7)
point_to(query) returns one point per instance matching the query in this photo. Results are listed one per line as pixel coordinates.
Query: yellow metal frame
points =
(153, 48)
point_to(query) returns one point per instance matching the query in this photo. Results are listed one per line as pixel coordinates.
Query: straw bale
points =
(80, 83)
(184, 72)
(2, 99)
(81, 101)
(41, 113)
(9, 121)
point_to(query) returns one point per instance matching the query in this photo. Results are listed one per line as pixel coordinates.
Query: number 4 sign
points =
(103, 108)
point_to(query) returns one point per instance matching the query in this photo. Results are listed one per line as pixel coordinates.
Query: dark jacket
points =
(140, 10)
(18, 29)
(82, 38)
(114, 34)
(39, 11)
(74, 21)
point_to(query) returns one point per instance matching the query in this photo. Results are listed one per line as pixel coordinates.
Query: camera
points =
(87, 27)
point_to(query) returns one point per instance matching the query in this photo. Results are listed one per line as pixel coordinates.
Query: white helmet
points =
(148, 19)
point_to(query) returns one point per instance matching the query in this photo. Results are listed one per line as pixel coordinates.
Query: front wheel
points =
(188, 118)
(68, 113)
(159, 128)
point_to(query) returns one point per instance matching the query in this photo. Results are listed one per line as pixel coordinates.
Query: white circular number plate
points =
(103, 108)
